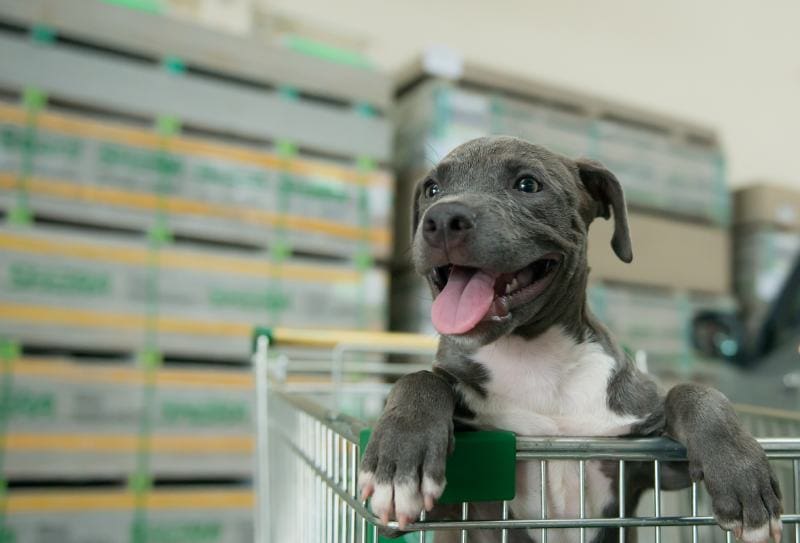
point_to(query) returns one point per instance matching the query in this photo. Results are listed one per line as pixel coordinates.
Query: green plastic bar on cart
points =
(481, 468)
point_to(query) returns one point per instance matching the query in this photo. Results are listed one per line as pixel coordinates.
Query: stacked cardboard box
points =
(201, 514)
(164, 189)
(237, 180)
(79, 418)
(766, 245)
(672, 172)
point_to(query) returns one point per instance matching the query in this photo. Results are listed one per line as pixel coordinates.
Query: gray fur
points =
(507, 231)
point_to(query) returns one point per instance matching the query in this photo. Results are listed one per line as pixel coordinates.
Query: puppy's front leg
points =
(404, 465)
(744, 492)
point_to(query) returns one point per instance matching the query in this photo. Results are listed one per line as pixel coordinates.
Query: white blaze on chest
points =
(551, 386)
(548, 386)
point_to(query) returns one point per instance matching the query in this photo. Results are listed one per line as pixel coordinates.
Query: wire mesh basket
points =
(309, 448)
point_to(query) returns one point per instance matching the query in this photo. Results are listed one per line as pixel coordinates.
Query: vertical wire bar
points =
(622, 498)
(582, 495)
(260, 377)
(422, 532)
(307, 491)
(464, 516)
(728, 537)
(796, 472)
(374, 533)
(354, 487)
(694, 510)
(657, 496)
(318, 481)
(335, 519)
(329, 464)
(543, 495)
(504, 533)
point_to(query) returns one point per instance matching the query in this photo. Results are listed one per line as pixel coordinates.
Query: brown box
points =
(666, 253)
(767, 204)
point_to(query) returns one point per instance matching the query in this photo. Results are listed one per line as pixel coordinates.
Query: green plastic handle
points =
(481, 468)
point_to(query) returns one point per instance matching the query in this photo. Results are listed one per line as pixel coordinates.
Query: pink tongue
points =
(464, 301)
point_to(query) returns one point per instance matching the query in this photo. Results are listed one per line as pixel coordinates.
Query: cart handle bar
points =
(330, 339)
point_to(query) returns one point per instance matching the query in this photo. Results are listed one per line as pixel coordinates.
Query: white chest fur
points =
(550, 386)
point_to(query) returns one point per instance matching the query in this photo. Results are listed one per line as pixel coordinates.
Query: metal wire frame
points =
(310, 494)
(321, 453)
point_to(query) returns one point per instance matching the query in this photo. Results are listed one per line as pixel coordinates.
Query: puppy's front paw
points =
(745, 495)
(403, 469)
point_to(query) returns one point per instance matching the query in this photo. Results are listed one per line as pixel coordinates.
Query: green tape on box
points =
(43, 34)
(324, 51)
(168, 125)
(174, 65)
(285, 148)
(280, 250)
(288, 93)
(150, 359)
(150, 6)
(364, 109)
(159, 234)
(9, 350)
(34, 99)
(363, 261)
(365, 164)
(481, 469)
(140, 484)
(20, 216)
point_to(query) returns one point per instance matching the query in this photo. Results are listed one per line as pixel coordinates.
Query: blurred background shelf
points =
(174, 172)
(673, 173)
(202, 513)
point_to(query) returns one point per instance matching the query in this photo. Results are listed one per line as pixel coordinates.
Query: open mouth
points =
(468, 296)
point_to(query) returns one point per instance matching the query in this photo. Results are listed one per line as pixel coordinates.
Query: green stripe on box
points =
(168, 125)
(43, 34)
(285, 148)
(288, 92)
(174, 65)
(327, 52)
(150, 6)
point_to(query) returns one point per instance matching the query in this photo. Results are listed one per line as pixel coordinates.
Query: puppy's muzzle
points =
(448, 225)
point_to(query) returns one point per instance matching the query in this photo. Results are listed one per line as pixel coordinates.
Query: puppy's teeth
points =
(508, 288)
(513, 285)
(524, 277)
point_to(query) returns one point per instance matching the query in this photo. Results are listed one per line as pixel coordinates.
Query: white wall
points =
(731, 64)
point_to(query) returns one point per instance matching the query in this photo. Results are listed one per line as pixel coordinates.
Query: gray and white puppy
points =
(500, 233)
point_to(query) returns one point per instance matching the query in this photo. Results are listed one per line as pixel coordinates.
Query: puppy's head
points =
(500, 228)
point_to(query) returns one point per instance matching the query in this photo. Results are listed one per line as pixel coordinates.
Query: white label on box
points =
(374, 287)
(443, 61)
(466, 102)
(786, 214)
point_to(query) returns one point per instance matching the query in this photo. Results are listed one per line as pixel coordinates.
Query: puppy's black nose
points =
(448, 223)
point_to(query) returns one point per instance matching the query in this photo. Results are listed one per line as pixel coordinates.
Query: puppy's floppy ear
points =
(606, 192)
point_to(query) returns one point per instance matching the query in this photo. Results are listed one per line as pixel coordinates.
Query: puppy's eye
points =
(431, 189)
(527, 184)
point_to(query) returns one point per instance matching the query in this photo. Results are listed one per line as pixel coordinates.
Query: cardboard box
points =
(767, 204)
(108, 173)
(58, 286)
(201, 514)
(663, 165)
(666, 253)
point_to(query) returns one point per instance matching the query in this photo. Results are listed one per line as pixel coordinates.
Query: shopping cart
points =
(309, 445)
